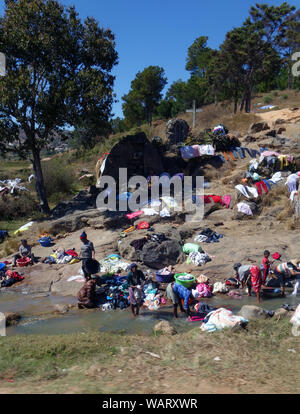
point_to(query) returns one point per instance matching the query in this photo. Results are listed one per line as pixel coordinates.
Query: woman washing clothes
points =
(136, 280)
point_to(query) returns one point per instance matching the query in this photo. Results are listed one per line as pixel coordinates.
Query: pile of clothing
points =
(113, 293)
(194, 151)
(152, 297)
(198, 258)
(113, 264)
(208, 236)
(9, 277)
(62, 256)
(222, 318)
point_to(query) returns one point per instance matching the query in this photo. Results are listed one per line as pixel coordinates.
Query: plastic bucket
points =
(185, 283)
(164, 278)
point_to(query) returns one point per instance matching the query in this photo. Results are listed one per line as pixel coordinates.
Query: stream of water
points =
(32, 306)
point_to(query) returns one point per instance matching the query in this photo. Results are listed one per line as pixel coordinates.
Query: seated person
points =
(24, 251)
(87, 294)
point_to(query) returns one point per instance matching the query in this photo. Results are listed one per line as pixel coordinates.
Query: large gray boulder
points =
(253, 312)
(176, 131)
(135, 153)
(159, 255)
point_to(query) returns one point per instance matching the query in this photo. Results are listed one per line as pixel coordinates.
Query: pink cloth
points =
(135, 214)
(204, 290)
(268, 153)
(226, 200)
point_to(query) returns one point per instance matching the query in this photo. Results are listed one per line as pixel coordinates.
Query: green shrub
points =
(15, 206)
(285, 96)
(268, 99)
(59, 179)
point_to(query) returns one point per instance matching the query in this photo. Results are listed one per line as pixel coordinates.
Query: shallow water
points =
(114, 321)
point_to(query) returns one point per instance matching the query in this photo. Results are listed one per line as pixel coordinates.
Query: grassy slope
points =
(253, 361)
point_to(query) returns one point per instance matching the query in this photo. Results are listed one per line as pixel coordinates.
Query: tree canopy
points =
(145, 94)
(58, 76)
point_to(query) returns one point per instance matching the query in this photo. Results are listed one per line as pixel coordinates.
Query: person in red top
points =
(267, 265)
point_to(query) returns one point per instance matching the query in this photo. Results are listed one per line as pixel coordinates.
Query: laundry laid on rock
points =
(247, 191)
(191, 247)
(222, 318)
(208, 236)
(244, 208)
(204, 290)
(220, 287)
(113, 264)
(198, 258)
(9, 278)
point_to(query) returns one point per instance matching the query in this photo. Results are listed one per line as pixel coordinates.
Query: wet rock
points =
(281, 130)
(62, 309)
(12, 318)
(258, 127)
(253, 312)
(282, 313)
(165, 328)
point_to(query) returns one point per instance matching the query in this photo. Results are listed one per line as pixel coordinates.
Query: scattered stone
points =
(12, 318)
(152, 354)
(253, 312)
(61, 308)
(282, 313)
(281, 130)
(165, 327)
(258, 127)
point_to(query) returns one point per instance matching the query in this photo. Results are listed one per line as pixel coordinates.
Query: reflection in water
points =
(30, 306)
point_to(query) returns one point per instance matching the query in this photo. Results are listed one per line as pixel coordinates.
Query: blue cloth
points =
(221, 158)
(183, 293)
(267, 184)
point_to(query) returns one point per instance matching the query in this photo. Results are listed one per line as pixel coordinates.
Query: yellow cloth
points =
(283, 158)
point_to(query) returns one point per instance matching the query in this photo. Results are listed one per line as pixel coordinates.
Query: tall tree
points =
(146, 91)
(58, 75)
(198, 58)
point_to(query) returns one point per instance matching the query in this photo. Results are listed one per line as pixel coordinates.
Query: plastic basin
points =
(185, 283)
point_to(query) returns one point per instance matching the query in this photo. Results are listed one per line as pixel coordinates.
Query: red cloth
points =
(143, 225)
(263, 185)
(106, 153)
(14, 275)
(207, 199)
(72, 252)
(256, 280)
(276, 256)
(217, 199)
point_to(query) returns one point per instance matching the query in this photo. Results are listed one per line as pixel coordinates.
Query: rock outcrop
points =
(176, 131)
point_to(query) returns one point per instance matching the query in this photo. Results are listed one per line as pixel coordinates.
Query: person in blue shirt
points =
(176, 293)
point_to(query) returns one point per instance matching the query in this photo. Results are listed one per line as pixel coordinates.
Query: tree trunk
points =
(242, 103)
(248, 100)
(39, 181)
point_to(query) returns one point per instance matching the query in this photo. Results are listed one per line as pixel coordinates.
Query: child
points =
(266, 265)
